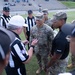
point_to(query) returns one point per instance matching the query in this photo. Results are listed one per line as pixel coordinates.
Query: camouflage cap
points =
(45, 11)
(59, 15)
(39, 16)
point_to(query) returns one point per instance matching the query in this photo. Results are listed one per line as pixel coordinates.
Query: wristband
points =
(32, 46)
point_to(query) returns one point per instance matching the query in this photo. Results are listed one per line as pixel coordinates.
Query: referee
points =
(4, 19)
(19, 56)
(30, 21)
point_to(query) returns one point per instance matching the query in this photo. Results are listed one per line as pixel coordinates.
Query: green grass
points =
(69, 4)
(33, 66)
(71, 16)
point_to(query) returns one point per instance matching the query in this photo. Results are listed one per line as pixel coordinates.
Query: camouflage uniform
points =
(73, 60)
(59, 66)
(49, 23)
(47, 20)
(44, 35)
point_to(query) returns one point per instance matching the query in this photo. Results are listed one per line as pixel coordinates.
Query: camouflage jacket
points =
(48, 22)
(44, 35)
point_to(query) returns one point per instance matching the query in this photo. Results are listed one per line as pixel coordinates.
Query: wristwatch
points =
(32, 46)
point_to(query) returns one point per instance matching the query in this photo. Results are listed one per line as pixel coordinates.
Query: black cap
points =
(67, 28)
(4, 45)
(30, 11)
(6, 37)
(7, 9)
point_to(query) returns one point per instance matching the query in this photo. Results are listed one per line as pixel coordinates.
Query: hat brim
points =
(30, 13)
(38, 19)
(45, 12)
(67, 28)
(6, 10)
(25, 25)
(54, 19)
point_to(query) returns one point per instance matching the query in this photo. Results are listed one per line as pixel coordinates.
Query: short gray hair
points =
(12, 27)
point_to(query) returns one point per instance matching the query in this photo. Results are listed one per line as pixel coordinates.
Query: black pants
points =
(15, 71)
(28, 35)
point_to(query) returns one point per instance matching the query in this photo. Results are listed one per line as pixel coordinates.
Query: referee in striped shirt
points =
(30, 21)
(19, 56)
(4, 19)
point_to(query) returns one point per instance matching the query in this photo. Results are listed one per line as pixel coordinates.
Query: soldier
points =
(47, 20)
(60, 46)
(44, 34)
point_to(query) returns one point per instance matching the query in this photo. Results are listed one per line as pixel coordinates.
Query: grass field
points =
(32, 66)
(69, 4)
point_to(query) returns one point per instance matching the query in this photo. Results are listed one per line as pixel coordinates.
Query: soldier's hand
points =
(34, 42)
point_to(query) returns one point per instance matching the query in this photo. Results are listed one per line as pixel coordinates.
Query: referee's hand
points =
(25, 42)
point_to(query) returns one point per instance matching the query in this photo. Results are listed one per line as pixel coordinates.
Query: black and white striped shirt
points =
(30, 22)
(4, 21)
(17, 57)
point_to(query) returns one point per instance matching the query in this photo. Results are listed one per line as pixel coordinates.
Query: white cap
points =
(65, 74)
(18, 21)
